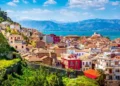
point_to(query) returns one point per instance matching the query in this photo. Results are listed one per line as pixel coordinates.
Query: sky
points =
(61, 10)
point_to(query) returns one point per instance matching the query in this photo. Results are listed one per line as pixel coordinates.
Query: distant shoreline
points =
(111, 34)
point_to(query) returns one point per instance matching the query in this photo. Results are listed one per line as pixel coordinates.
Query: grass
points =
(7, 63)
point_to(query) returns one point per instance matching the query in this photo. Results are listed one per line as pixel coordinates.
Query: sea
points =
(111, 34)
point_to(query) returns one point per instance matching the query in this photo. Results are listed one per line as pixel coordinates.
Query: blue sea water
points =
(111, 34)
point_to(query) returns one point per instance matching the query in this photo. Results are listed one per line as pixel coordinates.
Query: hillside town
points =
(73, 52)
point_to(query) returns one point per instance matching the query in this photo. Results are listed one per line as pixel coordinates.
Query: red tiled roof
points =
(92, 72)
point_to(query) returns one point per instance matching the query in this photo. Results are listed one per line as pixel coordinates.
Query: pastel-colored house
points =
(56, 39)
(17, 42)
(15, 26)
(71, 62)
(60, 50)
(48, 39)
(40, 44)
(72, 50)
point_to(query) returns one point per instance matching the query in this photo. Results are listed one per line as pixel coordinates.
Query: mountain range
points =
(85, 25)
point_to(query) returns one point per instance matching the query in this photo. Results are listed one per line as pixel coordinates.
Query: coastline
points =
(111, 34)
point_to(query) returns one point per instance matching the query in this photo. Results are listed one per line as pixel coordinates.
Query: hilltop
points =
(4, 17)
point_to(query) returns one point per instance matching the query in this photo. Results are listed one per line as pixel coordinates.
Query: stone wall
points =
(62, 71)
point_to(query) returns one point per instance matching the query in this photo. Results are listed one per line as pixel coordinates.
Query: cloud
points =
(63, 15)
(65, 12)
(16, 1)
(34, 1)
(90, 15)
(9, 11)
(101, 8)
(48, 2)
(87, 3)
(45, 14)
(11, 4)
(115, 3)
(25, 1)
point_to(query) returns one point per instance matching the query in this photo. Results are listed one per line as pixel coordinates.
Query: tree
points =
(79, 81)
(101, 78)
(8, 29)
(4, 17)
(1, 19)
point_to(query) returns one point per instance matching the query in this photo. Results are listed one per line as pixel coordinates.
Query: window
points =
(22, 46)
(86, 63)
(15, 46)
(71, 63)
(118, 77)
(117, 70)
(116, 62)
(83, 63)
(90, 63)
(110, 70)
(76, 63)
(110, 77)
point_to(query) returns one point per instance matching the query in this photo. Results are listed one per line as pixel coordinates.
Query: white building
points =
(72, 50)
(86, 62)
(5, 23)
(110, 63)
(95, 50)
(15, 26)
(48, 39)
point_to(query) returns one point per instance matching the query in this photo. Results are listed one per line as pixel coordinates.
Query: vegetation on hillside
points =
(7, 63)
(4, 46)
(29, 76)
(4, 17)
(79, 81)
(43, 77)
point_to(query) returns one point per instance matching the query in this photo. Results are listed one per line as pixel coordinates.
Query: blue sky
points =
(61, 10)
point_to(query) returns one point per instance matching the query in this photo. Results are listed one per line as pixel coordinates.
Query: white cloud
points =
(68, 13)
(49, 2)
(87, 3)
(25, 1)
(16, 1)
(45, 14)
(90, 15)
(64, 15)
(9, 11)
(11, 4)
(115, 3)
(34, 1)
(101, 8)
